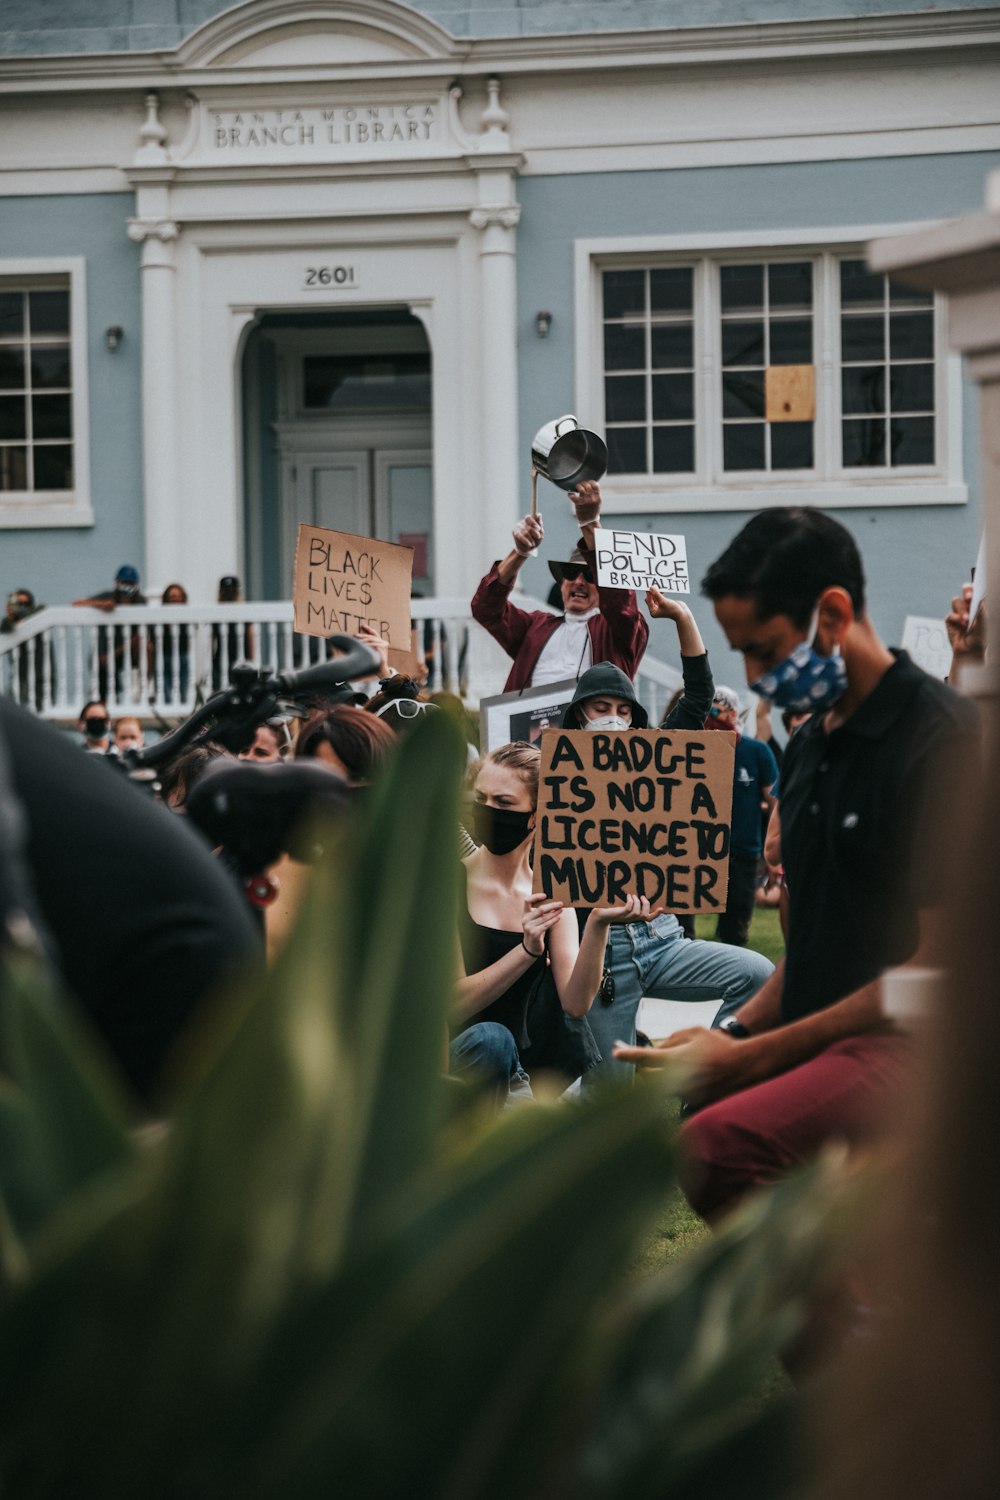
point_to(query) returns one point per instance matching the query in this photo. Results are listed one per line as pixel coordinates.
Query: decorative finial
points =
(152, 135)
(494, 120)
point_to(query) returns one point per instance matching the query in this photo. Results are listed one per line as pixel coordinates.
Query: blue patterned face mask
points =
(805, 680)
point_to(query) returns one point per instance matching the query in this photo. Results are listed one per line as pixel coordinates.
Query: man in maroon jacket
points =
(598, 625)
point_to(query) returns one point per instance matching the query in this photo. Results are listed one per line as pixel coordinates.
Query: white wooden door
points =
(331, 489)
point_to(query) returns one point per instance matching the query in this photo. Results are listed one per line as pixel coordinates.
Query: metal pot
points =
(567, 454)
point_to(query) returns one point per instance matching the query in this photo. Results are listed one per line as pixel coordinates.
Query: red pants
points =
(760, 1134)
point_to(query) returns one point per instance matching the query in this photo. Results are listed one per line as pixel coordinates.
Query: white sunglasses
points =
(407, 708)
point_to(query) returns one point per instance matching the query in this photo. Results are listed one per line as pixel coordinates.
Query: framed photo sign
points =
(524, 714)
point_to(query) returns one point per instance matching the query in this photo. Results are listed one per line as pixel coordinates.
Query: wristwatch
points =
(734, 1028)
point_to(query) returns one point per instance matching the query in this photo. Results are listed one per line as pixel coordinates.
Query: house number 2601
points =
(317, 276)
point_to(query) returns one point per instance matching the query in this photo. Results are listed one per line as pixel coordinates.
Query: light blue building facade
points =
(279, 262)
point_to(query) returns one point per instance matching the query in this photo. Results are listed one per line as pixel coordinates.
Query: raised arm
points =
(491, 606)
(691, 710)
(619, 607)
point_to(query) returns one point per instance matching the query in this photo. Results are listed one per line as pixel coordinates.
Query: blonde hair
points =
(521, 758)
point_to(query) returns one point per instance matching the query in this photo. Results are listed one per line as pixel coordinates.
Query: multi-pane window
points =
(887, 371)
(36, 397)
(649, 364)
(766, 316)
(809, 366)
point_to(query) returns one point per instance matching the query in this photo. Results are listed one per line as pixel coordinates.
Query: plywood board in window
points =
(790, 393)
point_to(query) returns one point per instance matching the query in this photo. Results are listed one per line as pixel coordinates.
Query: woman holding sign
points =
(508, 935)
(655, 958)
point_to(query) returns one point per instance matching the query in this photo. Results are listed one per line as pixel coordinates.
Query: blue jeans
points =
(488, 1053)
(656, 959)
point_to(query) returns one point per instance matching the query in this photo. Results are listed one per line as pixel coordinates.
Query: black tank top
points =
(482, 946)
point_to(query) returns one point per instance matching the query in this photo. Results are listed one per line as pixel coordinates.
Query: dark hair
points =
(27, 595)
(783, 560)
(362, 742)
(179, 776)
(94, 703)
(170, 586)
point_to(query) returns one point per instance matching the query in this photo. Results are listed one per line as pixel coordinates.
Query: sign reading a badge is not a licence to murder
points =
(643, 813)
(642, 560)
(343, 582)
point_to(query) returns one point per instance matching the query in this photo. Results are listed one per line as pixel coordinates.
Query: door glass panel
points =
(410, 510)
(340, 498)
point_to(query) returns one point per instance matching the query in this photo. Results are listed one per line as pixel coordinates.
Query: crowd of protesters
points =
(850, 831)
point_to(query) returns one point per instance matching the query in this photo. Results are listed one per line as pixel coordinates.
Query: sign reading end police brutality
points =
(343, 582)
(643, 813)
(642, 560)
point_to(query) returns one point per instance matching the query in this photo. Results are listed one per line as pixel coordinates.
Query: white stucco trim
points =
(58, 508)
(831, 487)
(664, 47)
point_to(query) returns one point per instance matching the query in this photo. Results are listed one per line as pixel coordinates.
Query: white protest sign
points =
(641, 560)
(926, 640)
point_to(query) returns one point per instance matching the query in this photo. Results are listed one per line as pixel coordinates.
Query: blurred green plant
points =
(325, 1277)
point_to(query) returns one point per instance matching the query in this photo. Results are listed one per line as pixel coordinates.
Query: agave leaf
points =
(64, 1121)
(397, 926)
(319, 1092)
(536, 1224)
(701, 1336)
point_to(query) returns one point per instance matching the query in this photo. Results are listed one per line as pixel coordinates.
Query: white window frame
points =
(31, 509)
(712, 488)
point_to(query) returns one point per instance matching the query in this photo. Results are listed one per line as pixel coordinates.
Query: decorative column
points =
(496, 218)
(962, 259)
(154, 228)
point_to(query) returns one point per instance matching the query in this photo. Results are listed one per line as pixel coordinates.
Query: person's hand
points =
(528, 535)
(378, 643)
(540, 914)
(665, 606)
(970, 644)
(632, 909)
(714, 1064)
(586, 501)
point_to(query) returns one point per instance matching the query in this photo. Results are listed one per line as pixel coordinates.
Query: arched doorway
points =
(337, 432)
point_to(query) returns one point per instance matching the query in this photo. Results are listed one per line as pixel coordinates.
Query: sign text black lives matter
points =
(638, 813)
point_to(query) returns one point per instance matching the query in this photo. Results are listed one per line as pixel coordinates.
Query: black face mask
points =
(96, 729)
(499, 829)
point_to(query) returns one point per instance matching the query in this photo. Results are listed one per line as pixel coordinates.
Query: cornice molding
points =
(775, 41)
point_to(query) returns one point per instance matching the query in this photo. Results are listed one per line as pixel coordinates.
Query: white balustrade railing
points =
(165, 659)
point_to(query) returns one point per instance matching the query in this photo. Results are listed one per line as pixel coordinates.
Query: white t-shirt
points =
(567, 652)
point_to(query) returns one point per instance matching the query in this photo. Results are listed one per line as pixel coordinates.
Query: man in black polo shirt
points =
(813, 1055)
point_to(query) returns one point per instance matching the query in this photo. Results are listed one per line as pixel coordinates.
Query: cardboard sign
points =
(927, 642)
(343, 582)
(642, 813)
(641, 560)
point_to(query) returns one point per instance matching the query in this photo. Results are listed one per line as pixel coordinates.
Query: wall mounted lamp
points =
(543, 322)
(113, 337)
